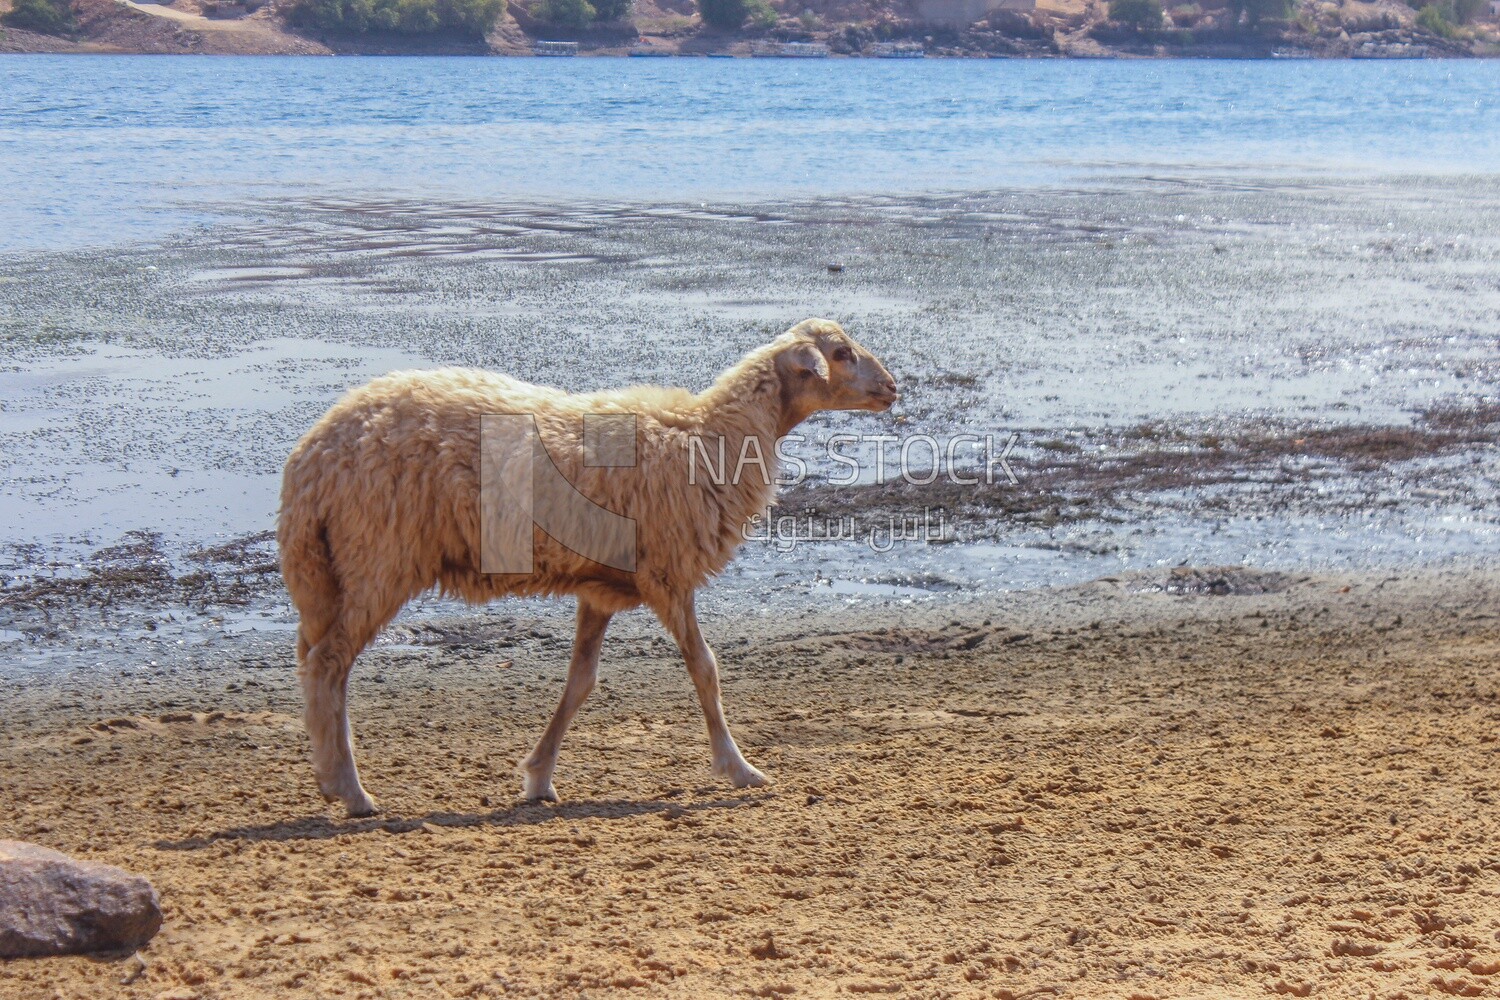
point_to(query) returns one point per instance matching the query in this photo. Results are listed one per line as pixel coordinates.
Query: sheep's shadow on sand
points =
(521, 814)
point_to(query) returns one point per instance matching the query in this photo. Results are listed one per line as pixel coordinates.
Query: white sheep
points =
(388, 497)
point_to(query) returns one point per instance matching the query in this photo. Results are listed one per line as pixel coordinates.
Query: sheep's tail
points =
(307, 568)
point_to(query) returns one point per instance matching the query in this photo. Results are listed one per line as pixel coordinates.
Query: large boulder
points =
(51, 904)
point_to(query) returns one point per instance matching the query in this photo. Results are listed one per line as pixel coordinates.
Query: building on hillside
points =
(962, 13)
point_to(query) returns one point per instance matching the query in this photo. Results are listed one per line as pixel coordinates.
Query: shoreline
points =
(1087, 783)
(84, 49)
(1378, 29)
(1250, 54)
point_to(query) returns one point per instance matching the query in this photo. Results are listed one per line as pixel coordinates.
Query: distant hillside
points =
(1053, 28)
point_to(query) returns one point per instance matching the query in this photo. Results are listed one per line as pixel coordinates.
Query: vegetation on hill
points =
(568, 13)
(1445, 17)
(473, 18)
(1255, 11)
(580, 13)
(47, 17)
(1136, 13)
(731, 15)
(612, 10)
(1431, 18)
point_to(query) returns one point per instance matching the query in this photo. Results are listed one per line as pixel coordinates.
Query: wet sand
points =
(1200, 368)
(1265, 785)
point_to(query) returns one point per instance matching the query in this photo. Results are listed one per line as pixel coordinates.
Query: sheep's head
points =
(823, 368)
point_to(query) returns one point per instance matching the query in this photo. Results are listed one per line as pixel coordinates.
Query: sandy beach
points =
(1117, 789)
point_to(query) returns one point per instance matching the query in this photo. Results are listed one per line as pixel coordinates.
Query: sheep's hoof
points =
(533, 790)
(744, 776)
(361, 804)
(362, 807)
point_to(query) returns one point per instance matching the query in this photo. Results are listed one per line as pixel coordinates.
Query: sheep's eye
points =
(843, 354)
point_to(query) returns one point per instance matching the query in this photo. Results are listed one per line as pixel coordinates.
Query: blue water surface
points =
(103, 148)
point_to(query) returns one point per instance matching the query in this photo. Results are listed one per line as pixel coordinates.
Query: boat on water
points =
(554, 49)
(647, 52)
(789, 50)
(898, 50)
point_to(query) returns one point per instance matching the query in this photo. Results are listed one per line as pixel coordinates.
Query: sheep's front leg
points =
(583, 671)
(681, 619)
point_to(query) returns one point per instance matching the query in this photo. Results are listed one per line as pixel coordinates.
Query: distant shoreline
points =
(98, 51)
(1384, 29)
(89, 51)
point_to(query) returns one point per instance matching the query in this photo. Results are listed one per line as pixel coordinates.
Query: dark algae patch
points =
(139, 573)
(1107, 475)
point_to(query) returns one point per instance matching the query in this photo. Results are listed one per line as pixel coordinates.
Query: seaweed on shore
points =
(1105, 475)
(138, 571)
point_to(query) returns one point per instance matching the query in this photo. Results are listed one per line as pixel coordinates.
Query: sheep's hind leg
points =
(325, 683)
(583, 671)
(681, 619)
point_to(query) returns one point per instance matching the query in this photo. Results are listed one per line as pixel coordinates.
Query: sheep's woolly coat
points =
(381, 499)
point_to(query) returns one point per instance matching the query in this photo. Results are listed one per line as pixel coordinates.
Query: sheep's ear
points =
(801, 364)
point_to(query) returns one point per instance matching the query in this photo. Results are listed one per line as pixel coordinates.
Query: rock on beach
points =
(51, 904)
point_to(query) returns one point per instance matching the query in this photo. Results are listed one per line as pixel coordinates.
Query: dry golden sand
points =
(1098, 793)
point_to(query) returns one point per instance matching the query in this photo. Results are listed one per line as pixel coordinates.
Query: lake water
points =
(99, 149)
